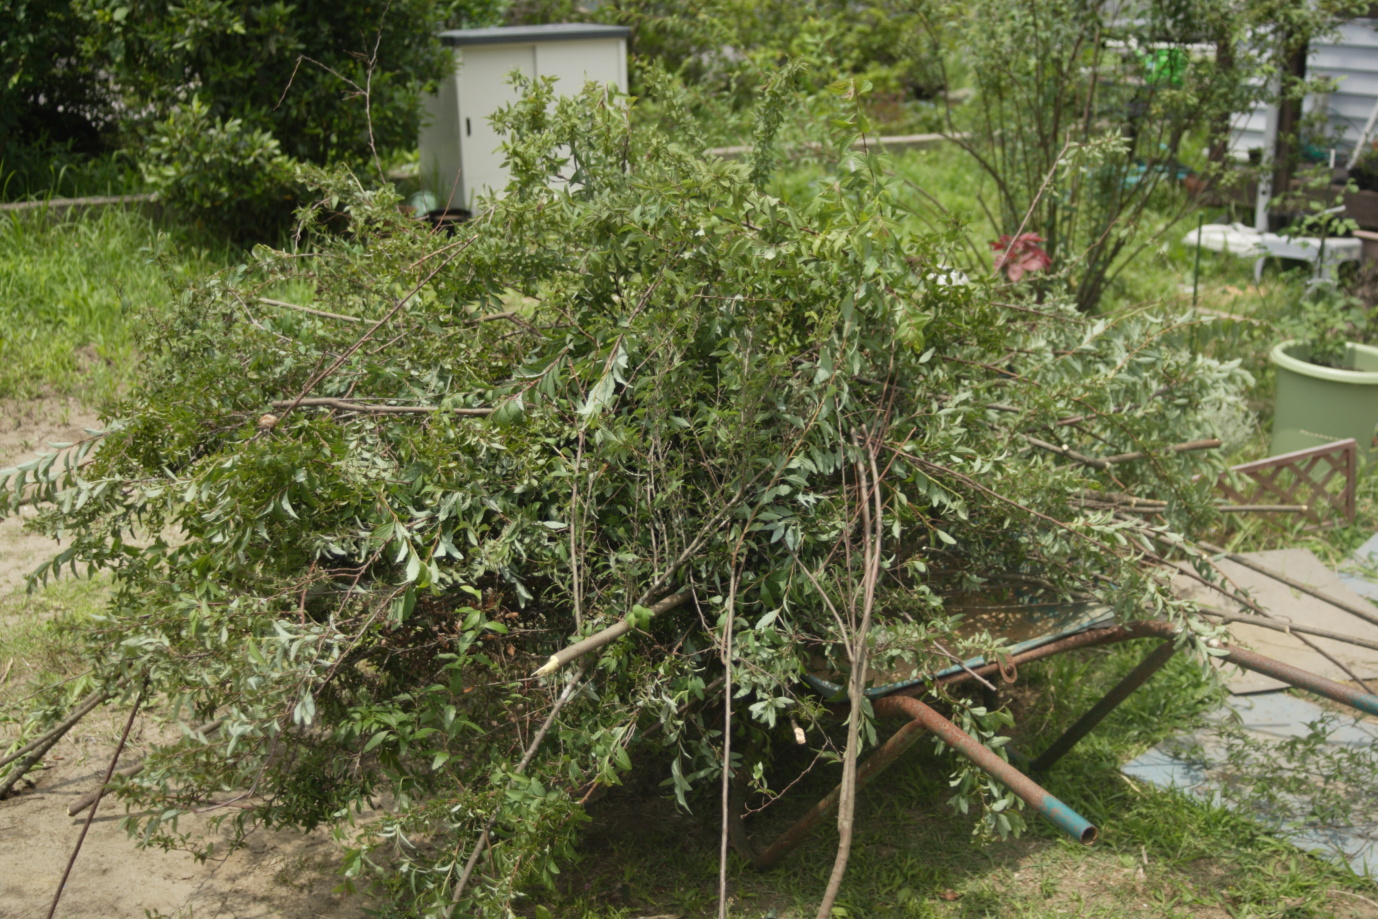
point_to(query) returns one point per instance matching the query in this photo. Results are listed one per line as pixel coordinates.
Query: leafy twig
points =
(33, 751)
(530, 754)
(306, 309)
(368, 408)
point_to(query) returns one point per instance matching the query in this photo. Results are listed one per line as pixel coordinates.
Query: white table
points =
(1237, 239)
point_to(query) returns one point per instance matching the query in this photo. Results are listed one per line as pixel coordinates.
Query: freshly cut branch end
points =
(607, 636)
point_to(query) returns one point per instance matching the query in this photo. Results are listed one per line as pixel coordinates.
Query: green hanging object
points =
(1164, 67)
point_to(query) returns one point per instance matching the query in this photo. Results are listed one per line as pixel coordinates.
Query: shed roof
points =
(511, 35)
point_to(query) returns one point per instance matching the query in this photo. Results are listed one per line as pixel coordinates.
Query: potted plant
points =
(1327, 377)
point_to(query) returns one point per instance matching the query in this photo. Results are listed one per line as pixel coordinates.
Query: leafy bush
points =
(656, 399)
(221, 173)
(314, 82)
(882, 43)
(1326, 322)
(728, 50)
(1365, 171)
(51, 100)
(295, 70)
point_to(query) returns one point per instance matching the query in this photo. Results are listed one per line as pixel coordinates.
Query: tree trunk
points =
(1287, 155)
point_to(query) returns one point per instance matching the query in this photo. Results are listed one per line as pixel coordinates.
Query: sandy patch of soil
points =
(279, 875)
(26, 430)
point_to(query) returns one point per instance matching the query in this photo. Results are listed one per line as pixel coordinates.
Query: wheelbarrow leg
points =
(1303, 679)
(1087, 723)
(922, 718)
(1029, 791)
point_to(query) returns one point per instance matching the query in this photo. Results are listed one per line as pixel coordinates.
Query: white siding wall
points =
(1351, 59)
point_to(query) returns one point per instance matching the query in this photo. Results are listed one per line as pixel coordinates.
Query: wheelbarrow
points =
(1060, 629)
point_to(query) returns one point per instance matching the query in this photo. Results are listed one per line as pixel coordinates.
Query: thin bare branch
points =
(530, 754)
(306, 309)
(872, 533)
(370, 408)
(109, 771)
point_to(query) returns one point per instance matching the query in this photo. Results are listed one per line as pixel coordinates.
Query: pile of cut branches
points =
(462, 523)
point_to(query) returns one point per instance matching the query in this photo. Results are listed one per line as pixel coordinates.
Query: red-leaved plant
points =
(1020, 255)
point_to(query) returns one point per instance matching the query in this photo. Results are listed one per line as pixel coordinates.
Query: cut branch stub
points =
(608, 635)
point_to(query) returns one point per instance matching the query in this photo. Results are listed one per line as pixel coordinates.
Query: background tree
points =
(314, 74)
(1088, 115)
(728, 50)
(52, 101)
(218, 100)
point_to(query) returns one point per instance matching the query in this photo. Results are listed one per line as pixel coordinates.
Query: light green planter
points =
(1319, 405)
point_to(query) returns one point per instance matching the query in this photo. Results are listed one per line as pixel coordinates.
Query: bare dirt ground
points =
(26, 429)
(278, 875)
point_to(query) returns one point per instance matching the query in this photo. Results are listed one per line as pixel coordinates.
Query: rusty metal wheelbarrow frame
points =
(920, 718)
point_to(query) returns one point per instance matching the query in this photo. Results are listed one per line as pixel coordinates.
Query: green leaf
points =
(600, 397)
(509, 411)
(640, 616)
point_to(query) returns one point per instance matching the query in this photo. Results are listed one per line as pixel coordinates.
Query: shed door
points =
(574, 63)
(483, 89)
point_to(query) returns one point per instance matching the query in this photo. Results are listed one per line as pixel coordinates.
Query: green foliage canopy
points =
(293, 69)
(49, 93)
(219, 99)
(728, 50)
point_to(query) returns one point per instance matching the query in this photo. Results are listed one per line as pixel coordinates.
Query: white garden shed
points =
(460, 151)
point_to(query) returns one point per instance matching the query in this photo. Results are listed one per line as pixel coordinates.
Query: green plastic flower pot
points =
(1319, 405)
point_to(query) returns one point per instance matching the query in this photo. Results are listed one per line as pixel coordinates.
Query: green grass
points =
(39, 656)
(69, 289)
(1160, 854)
(45, 171)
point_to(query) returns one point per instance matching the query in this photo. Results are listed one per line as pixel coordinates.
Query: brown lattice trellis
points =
(1303, 478)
